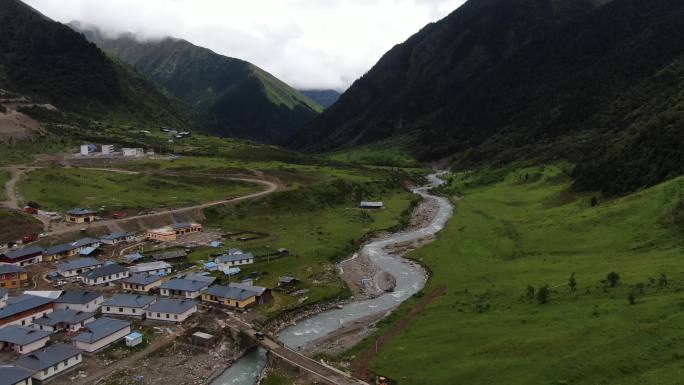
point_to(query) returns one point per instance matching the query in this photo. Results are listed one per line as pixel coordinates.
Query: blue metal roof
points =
(47, 357)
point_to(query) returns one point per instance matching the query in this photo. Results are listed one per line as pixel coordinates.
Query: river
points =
(410, 278)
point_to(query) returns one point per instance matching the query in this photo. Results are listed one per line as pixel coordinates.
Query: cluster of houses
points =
(172, 232)
(108, 149)
(89, 322)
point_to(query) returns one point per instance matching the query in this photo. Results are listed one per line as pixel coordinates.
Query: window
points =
(175, 316)
(107, 308)
(167, 316)
(120, 310)
(158, 315)
(133, 311)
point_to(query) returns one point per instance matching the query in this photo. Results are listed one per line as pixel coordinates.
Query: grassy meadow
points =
(524, 228)
(383, 154)
(4, 177)
(63, 189)
(319, 225)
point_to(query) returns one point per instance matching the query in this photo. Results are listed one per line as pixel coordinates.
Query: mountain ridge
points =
(498, 82)
(233, 96)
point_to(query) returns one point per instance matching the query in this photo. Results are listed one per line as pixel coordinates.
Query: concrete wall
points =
(89, 307)
(27, 320)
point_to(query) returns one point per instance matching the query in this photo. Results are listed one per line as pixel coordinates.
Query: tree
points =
(640, 287)
(594, 201)
(613, 278)
(543, 294)
(572, 282)
(662, 281)
(529, 292)
(631, 298)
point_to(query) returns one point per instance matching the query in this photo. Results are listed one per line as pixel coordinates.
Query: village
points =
(64, 308)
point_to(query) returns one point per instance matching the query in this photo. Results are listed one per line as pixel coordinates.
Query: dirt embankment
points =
(15, 125)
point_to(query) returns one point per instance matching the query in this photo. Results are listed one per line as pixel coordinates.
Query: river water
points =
(410, 279)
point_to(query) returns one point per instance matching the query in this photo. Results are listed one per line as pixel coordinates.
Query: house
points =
(130, 258)
(24, 309)
(230, 260)
(13, 375)
(105, 275)
(133, 151)
(208, 279)
(117, 237)
(186, 228)
(141, 282)
(131, 305)
(23, 257)
(58, 252)
(64, 319)
(50, 361)
(170, 233)
(77, 267)
(285, 281)
(101, 333)
(22, 339)
(85, 301)
(107, 149)
(262, 294)
(176, 254)
(151, 268)
(80, 215)
(172, 310)
(85, 149)
(181, 287)
(11, 276)
(371, 205)
(86, 243)
(229, 296)
(215, 244)
(163, 234)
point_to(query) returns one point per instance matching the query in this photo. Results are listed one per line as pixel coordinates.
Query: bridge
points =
(326, 373)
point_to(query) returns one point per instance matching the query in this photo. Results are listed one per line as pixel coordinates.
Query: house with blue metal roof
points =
(24, 309)
(101, 333)
(182, 287)
(64, 319)
(172, 310)
(14, 375)
(50, 361)
(231, 260)
(22, 339)
(236, 297)
(77, 267)
(105, 275)
(128, 305)
(57, 252)
(117, 237)
(85, 301)
(23, 257)
(141, 282)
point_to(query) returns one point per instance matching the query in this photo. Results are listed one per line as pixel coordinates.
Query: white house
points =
(66, 319)
(151, 268)
(107, 149)
(133, 151)
(182, 287)
(76, 267)
(172, 310)
(117, 237)
(105, 275)
(101, 333)
(22, 339)
(50, 361)
(227, 261)
(24, 309)
(13, 375)
(85, 149)
(85, 301)
(130, 305)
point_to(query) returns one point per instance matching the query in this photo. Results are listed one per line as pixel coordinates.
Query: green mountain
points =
(597, 83)
(235, 98)
(325, 98)
(51, 63)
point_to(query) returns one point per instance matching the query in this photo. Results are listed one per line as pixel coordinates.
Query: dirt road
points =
(12, 200)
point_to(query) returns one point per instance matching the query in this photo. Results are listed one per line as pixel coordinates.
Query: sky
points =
(310, 44)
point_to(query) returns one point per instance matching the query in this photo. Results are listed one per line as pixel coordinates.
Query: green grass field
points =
(511, 232)
(387, 154)
(63, 189)
(4, 177)
(319, 225)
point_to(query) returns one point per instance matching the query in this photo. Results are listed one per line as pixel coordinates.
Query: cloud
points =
(307, 43)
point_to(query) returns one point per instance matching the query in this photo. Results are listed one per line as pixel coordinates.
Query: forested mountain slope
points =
(234, 98)
(51, 63)
(594, 82)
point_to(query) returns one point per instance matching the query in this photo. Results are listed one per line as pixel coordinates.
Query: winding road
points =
(12, 198)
